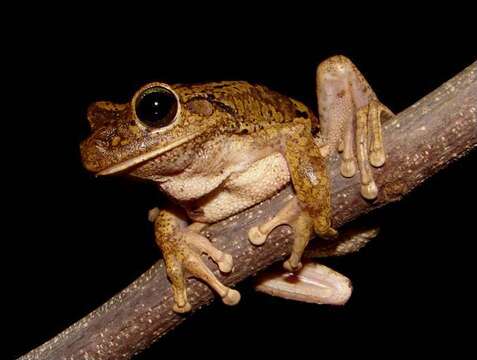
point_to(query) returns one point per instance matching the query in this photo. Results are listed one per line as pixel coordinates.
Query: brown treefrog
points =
(216, 149)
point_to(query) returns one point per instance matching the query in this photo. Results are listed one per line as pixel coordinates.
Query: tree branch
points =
(420, 141)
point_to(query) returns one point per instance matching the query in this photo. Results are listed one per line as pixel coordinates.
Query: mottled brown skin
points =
(232, 145)
(233, 107)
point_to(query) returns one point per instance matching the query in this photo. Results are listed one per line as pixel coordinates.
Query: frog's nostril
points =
(92, 115)
(90, 156)
(91, 166)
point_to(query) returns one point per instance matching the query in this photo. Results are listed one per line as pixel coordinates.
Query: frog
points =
(216, 149)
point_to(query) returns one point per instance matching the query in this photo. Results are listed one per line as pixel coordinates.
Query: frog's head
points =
(158, 132)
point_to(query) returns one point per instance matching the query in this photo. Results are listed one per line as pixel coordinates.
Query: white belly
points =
(241, 190)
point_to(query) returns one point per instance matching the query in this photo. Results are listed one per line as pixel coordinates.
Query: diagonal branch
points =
(420, 141)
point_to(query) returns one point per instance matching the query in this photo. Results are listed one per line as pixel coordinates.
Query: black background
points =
(75, 240)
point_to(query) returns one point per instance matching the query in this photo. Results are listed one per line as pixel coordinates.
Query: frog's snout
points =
(89, 157)
(110, 124)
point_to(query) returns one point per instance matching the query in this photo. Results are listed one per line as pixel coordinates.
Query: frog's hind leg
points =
(181, 247)
(313, 283)
(345, 97)
(317, 283)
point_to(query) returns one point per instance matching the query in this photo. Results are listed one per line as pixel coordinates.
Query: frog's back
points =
(249, 103)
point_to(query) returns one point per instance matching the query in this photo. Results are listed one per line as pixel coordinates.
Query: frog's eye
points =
(156, 106)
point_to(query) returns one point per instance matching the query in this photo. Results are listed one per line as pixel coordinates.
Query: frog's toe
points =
(226, 264)
(348, 167)
(192, 263)
(377, 157)
(285, 216)
(202, 245)
(292, 266)
(232, 297)
(370, 145)
(185, 308)
(369, 191)
(195, 266)
(175, 273)
(257, 237)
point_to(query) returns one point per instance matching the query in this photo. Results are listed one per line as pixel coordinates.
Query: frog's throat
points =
(147, 156)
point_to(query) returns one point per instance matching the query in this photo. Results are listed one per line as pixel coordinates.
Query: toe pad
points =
(232, 297)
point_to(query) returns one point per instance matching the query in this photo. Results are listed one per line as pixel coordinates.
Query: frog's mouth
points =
(124, 165)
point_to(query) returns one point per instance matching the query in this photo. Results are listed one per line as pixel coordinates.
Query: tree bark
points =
(420, 141)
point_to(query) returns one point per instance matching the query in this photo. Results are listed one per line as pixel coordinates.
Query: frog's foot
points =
(313, 283)
(302, 224)
(181, 248)
(317, 283)
(345, 98)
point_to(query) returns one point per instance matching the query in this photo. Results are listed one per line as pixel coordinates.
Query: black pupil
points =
(157, 107)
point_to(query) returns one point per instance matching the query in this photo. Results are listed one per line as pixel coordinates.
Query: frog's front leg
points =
(310, 211)
(181, 247)
(302, 224)
(350, 115)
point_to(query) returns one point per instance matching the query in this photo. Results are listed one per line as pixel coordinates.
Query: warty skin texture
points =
(227, 146)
